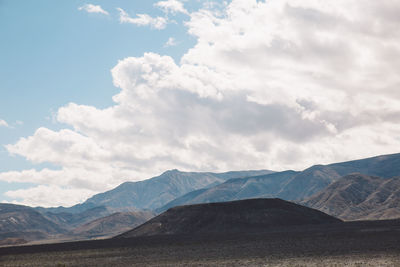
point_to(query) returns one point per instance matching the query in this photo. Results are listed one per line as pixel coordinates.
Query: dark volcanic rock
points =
(253, 215)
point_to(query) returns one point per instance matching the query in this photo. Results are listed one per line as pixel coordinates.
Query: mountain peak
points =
(173, 171)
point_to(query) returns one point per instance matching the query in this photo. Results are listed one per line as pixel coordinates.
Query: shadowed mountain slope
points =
(359, 197)
(155, 192)
(252, 215)
(113, 224)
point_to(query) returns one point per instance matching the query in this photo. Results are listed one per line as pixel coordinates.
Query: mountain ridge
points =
(299, 186)
(359, 197)
(154, 192)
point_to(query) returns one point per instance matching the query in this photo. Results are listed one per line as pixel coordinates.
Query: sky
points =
(96, 93)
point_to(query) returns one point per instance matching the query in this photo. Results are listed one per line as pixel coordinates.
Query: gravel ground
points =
(355, 244)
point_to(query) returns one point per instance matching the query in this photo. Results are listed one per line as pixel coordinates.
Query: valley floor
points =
(348, 244)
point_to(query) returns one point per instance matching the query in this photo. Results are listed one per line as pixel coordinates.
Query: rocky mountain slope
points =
(244, 216)
(359, 197)
(21, 222)
(317, 177)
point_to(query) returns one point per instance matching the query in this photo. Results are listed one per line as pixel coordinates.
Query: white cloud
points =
(171, 6)
(3, 123)
(276, 84)
(158, 23)
(170, 42)
(90, 8)
(49, 196)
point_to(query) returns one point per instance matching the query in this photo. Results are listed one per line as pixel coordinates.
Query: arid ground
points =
(375, 243)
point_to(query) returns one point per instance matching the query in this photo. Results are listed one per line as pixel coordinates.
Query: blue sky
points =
(92, 96)
(53, 54)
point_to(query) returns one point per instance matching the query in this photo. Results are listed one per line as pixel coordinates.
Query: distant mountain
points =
(252, 215)
(359, 197)
(264, 186)
(19, 222)
(155, 192)
(290, 185)
(113, 224)
(316, 178)
(69, 220)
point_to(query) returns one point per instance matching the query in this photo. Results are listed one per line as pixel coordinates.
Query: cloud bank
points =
(269, 84)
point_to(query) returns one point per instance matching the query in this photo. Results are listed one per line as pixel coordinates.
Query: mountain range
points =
(155, 192)
(26, 224)
(353, 190)
(359, 197)
(290, 185)
(21, 224)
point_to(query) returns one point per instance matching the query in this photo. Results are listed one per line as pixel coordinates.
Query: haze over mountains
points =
(372, 193)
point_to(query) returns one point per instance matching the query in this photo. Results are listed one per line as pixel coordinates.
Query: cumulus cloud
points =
(90, 8)
(3, 123)
(171, 6)
(158, 23)
(269, 84)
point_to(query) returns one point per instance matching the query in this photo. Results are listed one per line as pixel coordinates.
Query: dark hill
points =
(253, 215)
(359, 197)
